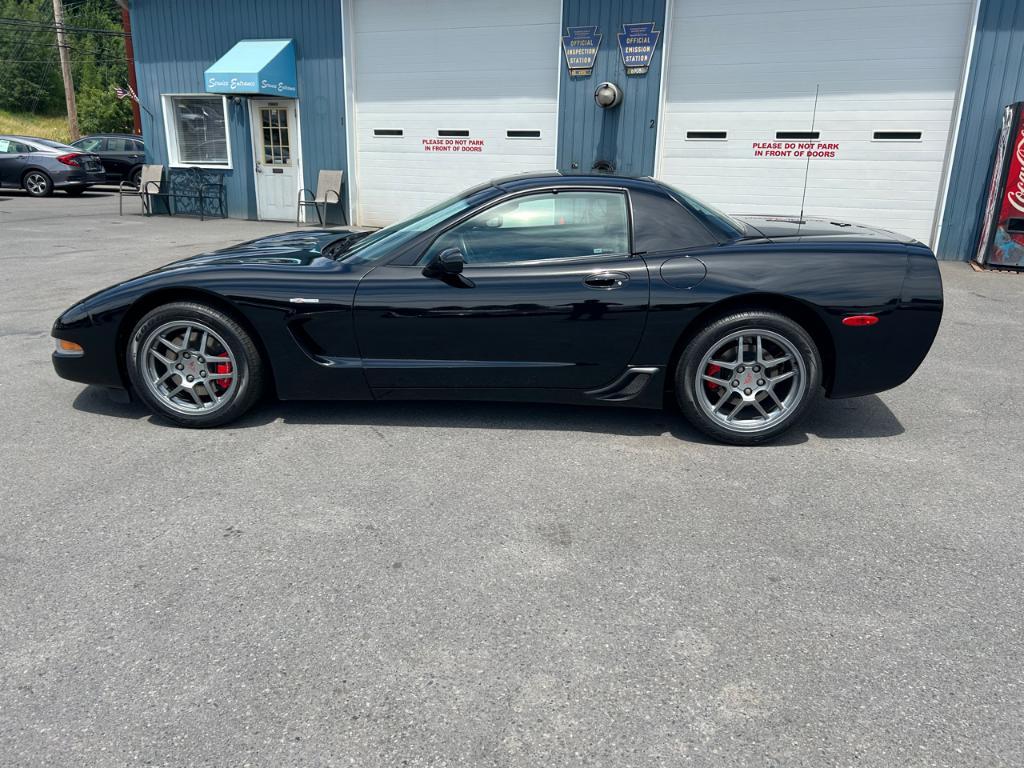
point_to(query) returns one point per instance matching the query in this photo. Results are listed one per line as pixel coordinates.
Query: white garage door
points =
(448, 94)
(740, 92)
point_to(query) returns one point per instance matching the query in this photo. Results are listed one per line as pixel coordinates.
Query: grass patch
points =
(28, 124)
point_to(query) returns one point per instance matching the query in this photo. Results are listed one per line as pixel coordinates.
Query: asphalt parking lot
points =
(451, 584)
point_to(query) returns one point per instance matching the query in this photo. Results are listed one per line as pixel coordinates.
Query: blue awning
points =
(255, 66)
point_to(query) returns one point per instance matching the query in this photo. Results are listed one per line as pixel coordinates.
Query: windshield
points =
(720, 221)
(386, 240)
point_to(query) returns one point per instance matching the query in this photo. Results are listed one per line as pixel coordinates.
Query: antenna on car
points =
(807, 167)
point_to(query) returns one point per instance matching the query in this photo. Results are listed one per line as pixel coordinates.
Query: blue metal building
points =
(874, 112)
(995, 78)
(176, 42)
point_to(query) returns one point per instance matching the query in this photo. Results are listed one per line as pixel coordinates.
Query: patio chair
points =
(327, 183)
(150, 186)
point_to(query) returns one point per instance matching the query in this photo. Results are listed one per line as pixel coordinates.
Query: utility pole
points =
(65, 69)
(129, 54)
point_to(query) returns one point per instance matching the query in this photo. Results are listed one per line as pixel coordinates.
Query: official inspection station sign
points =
(580, 48)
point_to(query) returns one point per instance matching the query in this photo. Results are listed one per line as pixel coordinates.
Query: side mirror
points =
(448, 262)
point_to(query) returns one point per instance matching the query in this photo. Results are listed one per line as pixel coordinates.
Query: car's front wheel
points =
(37, 184)
(194, 365)
(748, 377)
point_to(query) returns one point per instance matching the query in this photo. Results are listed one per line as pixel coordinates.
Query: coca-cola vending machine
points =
(1002, 229)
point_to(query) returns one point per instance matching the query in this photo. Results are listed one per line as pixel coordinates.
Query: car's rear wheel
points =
(748, 377)
(194, 365)
(136, 178)
(37, 184)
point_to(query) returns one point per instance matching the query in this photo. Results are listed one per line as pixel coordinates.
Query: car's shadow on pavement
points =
(862, 417)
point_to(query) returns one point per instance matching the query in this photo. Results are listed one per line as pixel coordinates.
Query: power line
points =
(42, 26)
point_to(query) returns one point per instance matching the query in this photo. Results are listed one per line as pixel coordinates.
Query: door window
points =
(120, 145)
(276, 146)
(8, 147)
(548, 225)
(91, 145)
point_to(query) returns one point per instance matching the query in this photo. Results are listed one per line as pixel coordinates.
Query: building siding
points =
(995, 79)
(176, 41)
(625, 135)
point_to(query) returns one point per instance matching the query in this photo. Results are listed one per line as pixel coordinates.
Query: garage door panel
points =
(879, 67)
(746, 24)
(453, 65)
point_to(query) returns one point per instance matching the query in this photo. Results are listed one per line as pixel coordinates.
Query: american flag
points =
(125, 93)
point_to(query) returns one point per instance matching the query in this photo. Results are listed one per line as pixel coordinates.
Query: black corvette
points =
(572, 289)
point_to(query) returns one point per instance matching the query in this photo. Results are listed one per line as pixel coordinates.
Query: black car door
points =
(121, 155)
(550, 297)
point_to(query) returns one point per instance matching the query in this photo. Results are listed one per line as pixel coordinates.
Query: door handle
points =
(606, 281)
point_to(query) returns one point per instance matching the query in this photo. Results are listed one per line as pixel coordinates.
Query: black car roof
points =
(547, 178)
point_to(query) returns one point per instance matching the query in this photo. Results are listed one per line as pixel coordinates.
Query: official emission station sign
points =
(636, 44)
(580, 48)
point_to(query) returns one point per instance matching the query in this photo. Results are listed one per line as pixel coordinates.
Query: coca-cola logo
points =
(1015, 195)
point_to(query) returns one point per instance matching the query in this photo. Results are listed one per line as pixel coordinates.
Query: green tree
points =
(30, 66)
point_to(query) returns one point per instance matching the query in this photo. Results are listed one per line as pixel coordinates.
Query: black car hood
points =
(300, 249)
(777, 228)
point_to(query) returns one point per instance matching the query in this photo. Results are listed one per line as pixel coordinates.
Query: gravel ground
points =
(448, 584)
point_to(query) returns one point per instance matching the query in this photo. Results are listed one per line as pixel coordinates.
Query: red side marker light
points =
(858, 321)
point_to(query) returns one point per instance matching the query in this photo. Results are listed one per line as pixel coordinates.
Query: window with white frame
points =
(197, 130)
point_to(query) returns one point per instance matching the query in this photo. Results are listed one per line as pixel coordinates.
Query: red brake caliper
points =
(713, 370)
(222, 384)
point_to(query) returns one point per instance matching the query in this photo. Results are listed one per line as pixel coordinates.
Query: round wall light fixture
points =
(608, 95)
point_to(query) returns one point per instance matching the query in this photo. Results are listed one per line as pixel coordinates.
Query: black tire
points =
(75, 191)
(759, 402)
(135, 178)
(247, 363)
(37, 183)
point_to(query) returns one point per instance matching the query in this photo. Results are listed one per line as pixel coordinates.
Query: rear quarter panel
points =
(828, 282)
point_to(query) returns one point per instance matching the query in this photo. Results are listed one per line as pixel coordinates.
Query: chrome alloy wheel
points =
(189, 367)
(35, 183)
(751, 380)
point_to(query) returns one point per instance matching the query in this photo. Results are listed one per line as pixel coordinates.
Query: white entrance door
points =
(276, 149)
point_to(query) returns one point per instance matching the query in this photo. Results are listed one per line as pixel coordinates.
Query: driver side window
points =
(547, 225)
(91, 145)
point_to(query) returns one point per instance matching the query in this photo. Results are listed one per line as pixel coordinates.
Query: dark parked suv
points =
(122, 154)
(40, 166)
